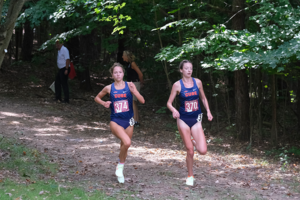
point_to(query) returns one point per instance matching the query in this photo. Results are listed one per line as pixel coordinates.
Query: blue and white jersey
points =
(189, 101)
(121, 102)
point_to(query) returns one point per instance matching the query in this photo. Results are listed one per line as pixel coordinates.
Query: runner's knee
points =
(127, 144)
(202, 151)
(190, 151)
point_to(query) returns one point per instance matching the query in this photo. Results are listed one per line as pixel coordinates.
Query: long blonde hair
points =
(130, 56)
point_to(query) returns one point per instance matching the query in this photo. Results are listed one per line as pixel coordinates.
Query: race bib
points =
(191, 106)
(121, 106)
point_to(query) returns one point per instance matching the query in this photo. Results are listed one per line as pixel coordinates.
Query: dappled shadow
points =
(87, 154)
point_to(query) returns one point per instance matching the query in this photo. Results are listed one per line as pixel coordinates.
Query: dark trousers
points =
(61, 80)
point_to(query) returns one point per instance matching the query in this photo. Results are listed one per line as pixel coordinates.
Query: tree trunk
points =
(6, 29)
(241, 81)
(86, 48)
(165, 66)
(298, 106)
(274, 115)
(121, 48)
(216, 101)
(225, 94)
(179, 32)
(27, 42)
(251, 109)
(259, 103)
(10, 50)
(242, 105)
(18, 38)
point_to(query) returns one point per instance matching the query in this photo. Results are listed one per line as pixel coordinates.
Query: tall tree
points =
(27, 45)
(241, 79)
(8, 25)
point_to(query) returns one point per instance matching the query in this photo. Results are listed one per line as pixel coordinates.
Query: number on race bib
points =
(125, 105)
(191, 106)
(121, 106)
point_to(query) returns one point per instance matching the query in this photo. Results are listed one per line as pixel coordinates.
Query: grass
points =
(31, 165)
(28, 162)
(46, 190)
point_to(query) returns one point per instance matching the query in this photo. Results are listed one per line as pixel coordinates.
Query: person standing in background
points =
(134, 75)
(61, 80)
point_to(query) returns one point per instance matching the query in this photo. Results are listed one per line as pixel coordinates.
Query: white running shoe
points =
(190, 181)
(121, 179)
(119, 173)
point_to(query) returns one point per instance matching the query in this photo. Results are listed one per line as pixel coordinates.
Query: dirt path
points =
(77, 136)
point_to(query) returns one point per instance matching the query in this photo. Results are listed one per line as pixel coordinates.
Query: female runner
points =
(189, 117)
(120, 103)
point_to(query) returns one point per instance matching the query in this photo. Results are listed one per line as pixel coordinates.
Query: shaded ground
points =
(77, 136)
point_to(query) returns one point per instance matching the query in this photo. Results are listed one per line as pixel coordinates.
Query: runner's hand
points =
(107, 104)
(209, 116)
(175, 114)
(132, 87)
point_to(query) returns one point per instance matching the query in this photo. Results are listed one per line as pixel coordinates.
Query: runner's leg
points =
(199, 137)
(129, 132)
(185, 133)
(120, 133)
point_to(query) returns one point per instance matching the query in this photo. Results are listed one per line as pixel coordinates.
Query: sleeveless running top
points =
(121, 102)
(189, 101)
(132, 75)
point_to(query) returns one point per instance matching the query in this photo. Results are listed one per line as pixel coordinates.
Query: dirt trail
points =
(77, 136)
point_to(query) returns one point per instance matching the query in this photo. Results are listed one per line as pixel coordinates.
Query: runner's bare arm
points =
(104, 91)
(175, 89)
(204, 99)
(138, 71)
(136, 93)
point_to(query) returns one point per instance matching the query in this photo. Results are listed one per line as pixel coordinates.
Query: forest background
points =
(245, 52)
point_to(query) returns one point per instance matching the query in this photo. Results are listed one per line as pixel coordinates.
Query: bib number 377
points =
(191, 106)
(121, 106)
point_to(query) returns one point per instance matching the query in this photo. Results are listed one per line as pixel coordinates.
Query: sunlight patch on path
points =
(52, 129)
(15, 122)
(10, 114)
(57, 134)
(83, 127)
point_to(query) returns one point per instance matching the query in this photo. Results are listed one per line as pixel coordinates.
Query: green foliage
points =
(193, 23)
(284, 154)
(65, 36)
(38, 11)
(80, 17)
(275, 44)
(161, 110)
(177, 136)
(294, 150)
(4, 12)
